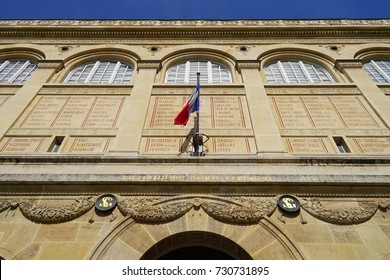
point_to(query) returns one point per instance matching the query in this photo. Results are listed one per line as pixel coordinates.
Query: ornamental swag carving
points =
(155, 209)
(241, 210)
(149, 209)
(237, 210)
(48, 214)
(4, 205)
(341, 216)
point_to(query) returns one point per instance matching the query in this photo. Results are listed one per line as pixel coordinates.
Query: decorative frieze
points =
(240, 210)
(4, 205)
(227, 209)
(342, 215)
(55, 212)
(148, 209)
(191, 23)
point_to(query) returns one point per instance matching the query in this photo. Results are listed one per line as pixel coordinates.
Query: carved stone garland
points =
(149, 209)
(55, 214)
(165, 209)
(245, 210)
(4, 205)
(237, 210)
(342, 216)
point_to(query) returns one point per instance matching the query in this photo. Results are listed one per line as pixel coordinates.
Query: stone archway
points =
(136, 240)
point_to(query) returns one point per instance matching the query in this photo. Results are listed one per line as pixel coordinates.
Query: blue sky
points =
(200, 9)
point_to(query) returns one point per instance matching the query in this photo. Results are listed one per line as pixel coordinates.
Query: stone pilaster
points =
(353, 69)
(129, 135)
(266, 132)
(15, 105)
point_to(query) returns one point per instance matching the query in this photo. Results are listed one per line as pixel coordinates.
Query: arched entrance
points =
(196, 245)
(134, 240)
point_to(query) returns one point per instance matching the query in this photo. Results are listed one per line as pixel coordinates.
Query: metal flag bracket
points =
(197, 143)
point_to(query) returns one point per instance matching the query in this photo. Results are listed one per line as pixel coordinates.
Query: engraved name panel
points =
(324, 112)
(216, 145)
(87, 145)
(73, 112)
(308, 145)
(371, 145)
(24, 144)
(218, 112)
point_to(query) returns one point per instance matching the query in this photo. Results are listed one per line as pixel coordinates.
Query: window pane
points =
(378, 70)
(296, 72)
(209, 72)
(101, 72)
(16, 71)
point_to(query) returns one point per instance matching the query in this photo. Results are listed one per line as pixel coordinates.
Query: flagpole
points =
(197, 112)
(197, 139)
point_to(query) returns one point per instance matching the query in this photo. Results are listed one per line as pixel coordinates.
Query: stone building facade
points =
(295, 120)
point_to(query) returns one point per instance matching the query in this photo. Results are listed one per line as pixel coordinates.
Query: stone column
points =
(267, 136)
(353, 69)
(11, 110)
(129, 134)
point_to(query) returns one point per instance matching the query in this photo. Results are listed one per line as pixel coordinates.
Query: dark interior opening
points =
(196, 253)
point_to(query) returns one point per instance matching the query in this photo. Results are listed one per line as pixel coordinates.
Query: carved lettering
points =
(73, 112)
(323, 112)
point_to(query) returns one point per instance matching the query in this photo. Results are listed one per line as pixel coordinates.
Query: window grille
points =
(379, 70)
(16, 71)
(210, 72)
(101, 72)
(296, 72)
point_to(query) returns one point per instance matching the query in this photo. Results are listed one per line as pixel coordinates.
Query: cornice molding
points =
(193, 28)
(348, 63)
(149, 64)
(247, 64)
(196, 23)
(51, 64)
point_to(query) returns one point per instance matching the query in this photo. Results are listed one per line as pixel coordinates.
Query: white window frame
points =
(92, 72)
(379, 69)
(209, 66)
(19, 71)
(302, 67)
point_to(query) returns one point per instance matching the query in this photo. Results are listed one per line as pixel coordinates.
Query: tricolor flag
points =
(191, 105)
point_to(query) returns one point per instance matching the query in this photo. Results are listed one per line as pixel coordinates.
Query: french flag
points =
(191, 105)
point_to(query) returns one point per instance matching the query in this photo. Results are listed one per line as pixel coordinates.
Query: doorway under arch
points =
(196, 245)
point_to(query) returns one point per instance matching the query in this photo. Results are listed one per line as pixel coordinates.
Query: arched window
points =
(101, 72)
(16, 71)
(210, 72)
(379, 70)
(296, 72)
